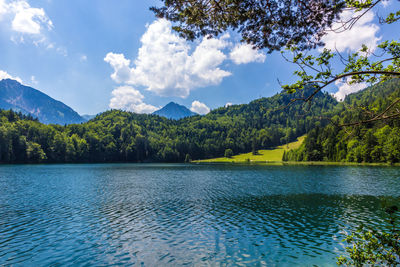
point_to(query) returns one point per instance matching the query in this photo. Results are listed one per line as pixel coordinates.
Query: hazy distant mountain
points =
(174, 111)
(88, 117)
(27, 100)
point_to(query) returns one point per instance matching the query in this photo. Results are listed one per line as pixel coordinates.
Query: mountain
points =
(119, 136)
(174, 111)
(28, 100)
(88, 117)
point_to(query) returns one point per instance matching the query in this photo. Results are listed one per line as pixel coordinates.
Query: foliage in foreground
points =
(377, 141)
(373, 247)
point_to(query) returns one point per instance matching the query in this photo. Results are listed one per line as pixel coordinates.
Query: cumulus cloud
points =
(25, 19)
(5, 75)
(28, 19)
(199, 107)
(363, 32)
(244, 53)
(345, 88)
(26, 23)
(165, 64)
(129, 99)
(122, 70)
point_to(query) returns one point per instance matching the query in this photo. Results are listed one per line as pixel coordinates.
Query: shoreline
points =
(294, 163)
(226, 162)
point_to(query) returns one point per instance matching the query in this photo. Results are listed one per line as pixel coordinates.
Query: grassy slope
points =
(262, 156)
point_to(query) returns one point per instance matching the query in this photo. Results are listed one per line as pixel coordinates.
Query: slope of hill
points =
(118, 136)
(262, 156)
(375, 141)
(174, 111)
(27, 100)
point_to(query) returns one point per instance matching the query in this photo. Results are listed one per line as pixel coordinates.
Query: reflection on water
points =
(154, 214)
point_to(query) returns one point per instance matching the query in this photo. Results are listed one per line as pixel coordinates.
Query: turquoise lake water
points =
(194, 215)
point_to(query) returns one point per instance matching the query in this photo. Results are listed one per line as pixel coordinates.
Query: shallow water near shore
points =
(184, 214)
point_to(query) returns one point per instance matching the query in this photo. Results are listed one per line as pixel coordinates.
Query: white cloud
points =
(3, 8)
(345, 88)
(199, 107)
(28, 19)
(122, 71)
(33, 80)
(25, 23)
(83, 58)
(363, 32)
(129, 99)
(50, 46)
(386, 3)
(228, 104)
(62, 51)
(165, 65)
(5, 75)
(244, 53)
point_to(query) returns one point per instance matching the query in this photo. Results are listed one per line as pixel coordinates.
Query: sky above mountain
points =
(97, 55)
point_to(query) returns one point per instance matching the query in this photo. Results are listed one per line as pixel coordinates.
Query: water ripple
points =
(176, 215)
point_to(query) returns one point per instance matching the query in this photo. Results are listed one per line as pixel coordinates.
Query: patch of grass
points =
(269, 155)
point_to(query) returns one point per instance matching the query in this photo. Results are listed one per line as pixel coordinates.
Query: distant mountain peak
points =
(25, 99)
(10, 81)
(174, 111)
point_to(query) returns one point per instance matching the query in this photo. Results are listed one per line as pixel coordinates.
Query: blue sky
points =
(97, 55)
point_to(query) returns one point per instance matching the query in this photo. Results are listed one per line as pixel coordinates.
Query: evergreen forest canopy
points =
(369, 140)
(117, 136)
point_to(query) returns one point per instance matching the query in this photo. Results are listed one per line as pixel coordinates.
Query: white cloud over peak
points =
(5, 75)
(199, 107)
(346, 88)
(244, 53)
(165, 64)
(129, 99)
(364, 31)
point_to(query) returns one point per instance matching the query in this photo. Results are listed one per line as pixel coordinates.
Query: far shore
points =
(292, 163)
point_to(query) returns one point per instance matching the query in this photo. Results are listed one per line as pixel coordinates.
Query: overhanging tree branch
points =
(389, 73)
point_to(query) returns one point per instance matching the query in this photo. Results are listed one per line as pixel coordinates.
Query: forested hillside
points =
(117, 136)
(374, 141)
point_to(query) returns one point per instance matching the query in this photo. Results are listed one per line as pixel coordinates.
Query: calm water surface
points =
(175, 214)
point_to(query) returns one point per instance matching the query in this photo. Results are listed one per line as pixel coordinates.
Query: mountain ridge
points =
(174, 111)
(28, 100)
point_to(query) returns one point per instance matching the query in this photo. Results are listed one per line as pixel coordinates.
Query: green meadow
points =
(268, 155)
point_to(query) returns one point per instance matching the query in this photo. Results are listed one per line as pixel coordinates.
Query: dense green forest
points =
(375, 141)
(117, 136)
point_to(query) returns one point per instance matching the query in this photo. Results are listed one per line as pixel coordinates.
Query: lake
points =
(177, 214)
